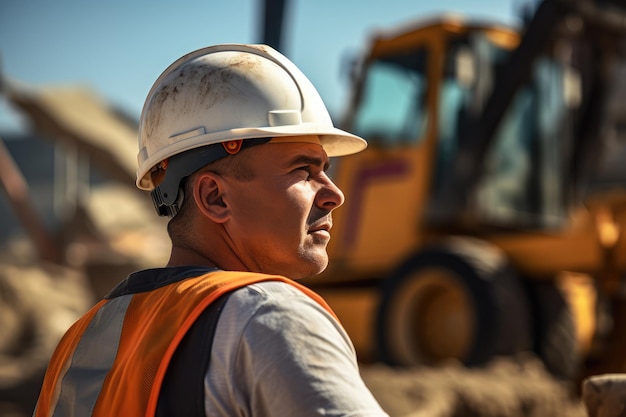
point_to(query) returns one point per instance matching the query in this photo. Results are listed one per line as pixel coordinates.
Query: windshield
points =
(523, 174)
(392, 110)
(524, 170)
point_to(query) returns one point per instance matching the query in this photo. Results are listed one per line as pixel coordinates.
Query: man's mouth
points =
(321, 229)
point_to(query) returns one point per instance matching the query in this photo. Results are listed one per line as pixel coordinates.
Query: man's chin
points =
(312, 266)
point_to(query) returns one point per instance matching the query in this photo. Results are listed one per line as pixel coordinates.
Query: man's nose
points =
(329, 197)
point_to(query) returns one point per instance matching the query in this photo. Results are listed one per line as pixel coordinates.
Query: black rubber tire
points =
(492, 293)
(554, 330)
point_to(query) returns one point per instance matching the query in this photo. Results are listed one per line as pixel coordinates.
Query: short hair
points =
(180, 226)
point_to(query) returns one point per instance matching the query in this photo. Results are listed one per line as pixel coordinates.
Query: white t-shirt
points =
(276, 352)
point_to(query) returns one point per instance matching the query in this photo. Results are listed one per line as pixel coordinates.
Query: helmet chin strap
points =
(168, 195)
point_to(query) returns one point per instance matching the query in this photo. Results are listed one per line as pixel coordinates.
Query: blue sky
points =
(119, 47)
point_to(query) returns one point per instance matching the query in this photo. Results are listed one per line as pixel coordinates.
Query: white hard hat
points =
(228, 92)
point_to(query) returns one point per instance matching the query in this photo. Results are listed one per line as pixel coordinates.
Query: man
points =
(234, 145)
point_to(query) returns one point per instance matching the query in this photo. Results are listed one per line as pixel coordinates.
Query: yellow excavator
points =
(487, 216)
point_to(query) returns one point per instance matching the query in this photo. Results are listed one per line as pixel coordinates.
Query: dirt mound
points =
(504, 388)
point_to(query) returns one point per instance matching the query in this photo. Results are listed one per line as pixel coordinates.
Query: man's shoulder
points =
(269, 292)
(274, 300)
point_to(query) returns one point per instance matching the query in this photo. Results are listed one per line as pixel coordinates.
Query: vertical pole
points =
(272, 23)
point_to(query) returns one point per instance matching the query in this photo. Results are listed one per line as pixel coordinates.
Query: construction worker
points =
(234, 144)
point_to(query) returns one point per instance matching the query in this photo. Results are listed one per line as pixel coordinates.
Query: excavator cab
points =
(521, 181)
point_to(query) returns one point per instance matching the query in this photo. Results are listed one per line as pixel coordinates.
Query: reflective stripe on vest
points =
(113, 360)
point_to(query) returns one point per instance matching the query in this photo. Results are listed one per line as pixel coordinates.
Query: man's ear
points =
(208, 193)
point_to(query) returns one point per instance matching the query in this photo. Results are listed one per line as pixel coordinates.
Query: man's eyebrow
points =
(309, 160)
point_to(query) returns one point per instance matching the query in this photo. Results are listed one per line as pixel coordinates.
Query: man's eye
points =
(306, 169)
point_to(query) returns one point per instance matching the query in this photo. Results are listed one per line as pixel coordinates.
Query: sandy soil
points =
(504, 388)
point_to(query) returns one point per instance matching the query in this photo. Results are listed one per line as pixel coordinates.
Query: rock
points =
(605, 395)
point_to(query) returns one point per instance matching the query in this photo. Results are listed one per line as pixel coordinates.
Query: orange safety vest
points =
(112, 361)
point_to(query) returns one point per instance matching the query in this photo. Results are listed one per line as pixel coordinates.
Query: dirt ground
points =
(504, 388)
